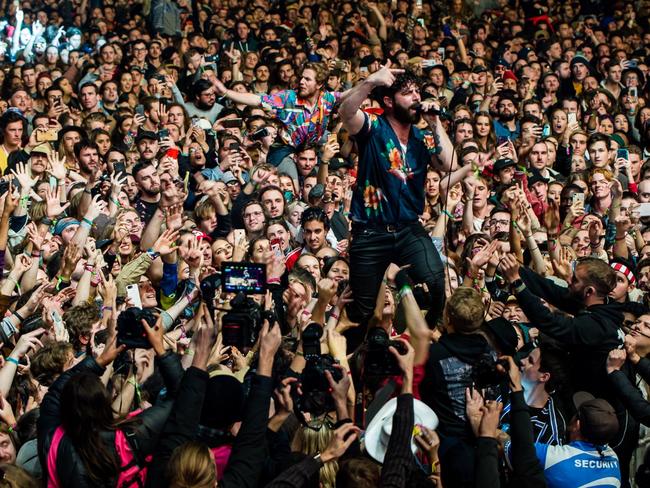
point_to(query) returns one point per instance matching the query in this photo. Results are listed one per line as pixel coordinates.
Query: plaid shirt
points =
(302, 124)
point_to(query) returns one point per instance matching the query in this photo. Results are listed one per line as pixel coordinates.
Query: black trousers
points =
(371, 251)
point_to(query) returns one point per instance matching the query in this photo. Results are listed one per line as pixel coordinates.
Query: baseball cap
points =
(479, 69)
(43, 148)
(502, 164)
(536, 177)
(228, 177)
(598, 421)
(509, 75)
(145, 134)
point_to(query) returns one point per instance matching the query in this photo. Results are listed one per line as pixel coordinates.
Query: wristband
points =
(19, 317)
(36, 254)
(273, 281)
(152, 254)
(406, 290)
(619, 238)
(46, 221)
(334, 315)
(87, 221)
(117, 204)
(107, 308)
(448, 214)
(10, 359)
(402, 279)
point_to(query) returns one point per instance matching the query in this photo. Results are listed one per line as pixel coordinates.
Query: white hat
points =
(378, 432)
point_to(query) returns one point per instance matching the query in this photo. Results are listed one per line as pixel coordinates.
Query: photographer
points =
(448, 373)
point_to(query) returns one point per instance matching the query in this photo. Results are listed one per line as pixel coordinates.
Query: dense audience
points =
(336, 244)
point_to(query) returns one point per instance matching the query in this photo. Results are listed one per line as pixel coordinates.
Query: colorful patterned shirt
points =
(301, 125)
(390, 180)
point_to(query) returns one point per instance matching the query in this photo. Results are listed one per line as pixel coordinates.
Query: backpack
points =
(132, 473)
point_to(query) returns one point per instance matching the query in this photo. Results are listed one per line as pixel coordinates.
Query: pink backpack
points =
(130, 473)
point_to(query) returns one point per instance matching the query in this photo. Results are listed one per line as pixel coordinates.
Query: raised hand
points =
(385, 76)
(53, 206)
(21, 173)
(56, 165)
(166, 243)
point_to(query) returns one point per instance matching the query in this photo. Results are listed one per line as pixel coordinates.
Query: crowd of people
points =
(337, 244)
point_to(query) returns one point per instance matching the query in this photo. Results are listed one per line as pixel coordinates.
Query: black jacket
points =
(589, 335)
(448, 372)
(145, 432)
(630, 395)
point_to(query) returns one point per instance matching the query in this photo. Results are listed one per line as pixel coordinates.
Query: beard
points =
(405, 115)
(506, 117)
(203, 106)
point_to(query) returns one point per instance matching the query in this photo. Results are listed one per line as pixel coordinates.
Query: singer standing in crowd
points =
(393, 159)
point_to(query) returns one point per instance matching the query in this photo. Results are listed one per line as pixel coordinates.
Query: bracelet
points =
(36, 254)
(19, 316)
(117, 204)
(334, 315)
(406, 290)
(87, 221)
(273, 281)
(10, 359)
(90, 267)
(106, 307)
(448, 214)
(620, 238)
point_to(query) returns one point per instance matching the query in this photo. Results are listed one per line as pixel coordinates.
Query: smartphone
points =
(4, 187)
(633, 92)
(247, 278)
(643, 209)
(163, 133)
(58, 322)
(234, 146)
(238, 235)
(623, 153)
(48, 135)
(231, 123)
(546, 130)
(139, 110)
(572, 118)
(119, 168)
(363, 69)
(275, 246)
(502, 140)
(133, 294)
(633, 63)
(441, 52)
(578, 197)
(260, 134)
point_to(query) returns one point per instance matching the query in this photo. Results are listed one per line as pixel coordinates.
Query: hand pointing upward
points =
(385, 76)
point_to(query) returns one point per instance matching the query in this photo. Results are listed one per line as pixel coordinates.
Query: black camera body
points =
(241, 326)
(487, 377)
(130, 330)
(316, 396)
(379, 361)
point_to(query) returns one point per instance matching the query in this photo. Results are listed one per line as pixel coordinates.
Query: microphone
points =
(431, 110)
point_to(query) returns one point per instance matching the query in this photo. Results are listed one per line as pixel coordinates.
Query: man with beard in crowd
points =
(305, 112)
(394, 157)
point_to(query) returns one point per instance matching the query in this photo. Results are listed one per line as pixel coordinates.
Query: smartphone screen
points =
(623, 153)
(248, 278)
(572, 118)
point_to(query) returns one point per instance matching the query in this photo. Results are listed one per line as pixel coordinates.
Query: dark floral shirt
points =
(390, 184)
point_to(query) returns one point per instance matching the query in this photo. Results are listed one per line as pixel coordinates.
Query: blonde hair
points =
(311, 442)
(464, 310)
(15, 477)
(192, 466)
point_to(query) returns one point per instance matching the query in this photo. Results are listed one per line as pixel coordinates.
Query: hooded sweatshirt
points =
(448, 373)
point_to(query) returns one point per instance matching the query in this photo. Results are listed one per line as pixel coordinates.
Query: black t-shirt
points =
(145, 209)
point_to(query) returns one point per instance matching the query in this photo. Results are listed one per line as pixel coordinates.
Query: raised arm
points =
(250, 99)
(349, 111)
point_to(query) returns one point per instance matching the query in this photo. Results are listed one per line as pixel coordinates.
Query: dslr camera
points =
(316, 397)
(486, 376)
(379, 361)
(130, 330)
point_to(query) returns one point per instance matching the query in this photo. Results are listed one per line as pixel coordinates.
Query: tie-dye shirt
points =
(301, 124)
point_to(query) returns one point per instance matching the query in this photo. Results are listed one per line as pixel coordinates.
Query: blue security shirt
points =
(578, 464)
(390, 181)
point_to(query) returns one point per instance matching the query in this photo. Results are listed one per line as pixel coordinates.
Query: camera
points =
(486, 376)
(379, 361)
(241, 326)
(316, 397)
(130, 330)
